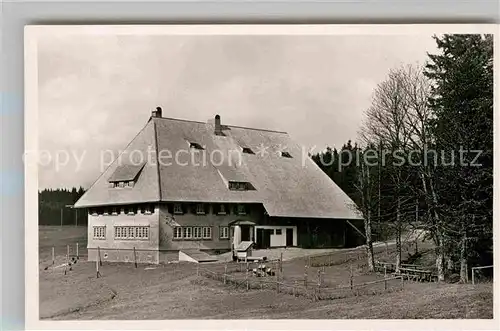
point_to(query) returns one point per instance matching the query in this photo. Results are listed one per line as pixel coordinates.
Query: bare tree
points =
(364, 188)
(417, 90)
(391, 123)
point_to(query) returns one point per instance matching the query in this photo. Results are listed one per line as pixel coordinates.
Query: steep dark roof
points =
(287, 187)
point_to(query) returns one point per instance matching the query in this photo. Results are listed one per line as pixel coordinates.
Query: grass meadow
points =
(175, 291)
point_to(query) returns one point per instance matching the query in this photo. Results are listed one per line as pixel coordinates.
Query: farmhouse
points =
(186, 188)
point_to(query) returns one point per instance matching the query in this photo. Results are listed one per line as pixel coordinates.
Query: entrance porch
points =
(263, 236)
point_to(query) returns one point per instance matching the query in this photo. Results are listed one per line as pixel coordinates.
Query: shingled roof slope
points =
(146, 188)
(287, 187)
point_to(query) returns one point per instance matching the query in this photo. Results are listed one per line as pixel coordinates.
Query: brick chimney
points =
(156, 112)
(218, 127)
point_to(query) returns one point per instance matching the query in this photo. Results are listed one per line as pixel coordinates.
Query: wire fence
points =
(309, 289)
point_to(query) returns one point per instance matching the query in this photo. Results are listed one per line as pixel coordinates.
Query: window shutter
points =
(170, 208)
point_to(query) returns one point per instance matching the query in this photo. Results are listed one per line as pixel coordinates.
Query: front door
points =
(289, 237)
(263, 238)
(245, 233)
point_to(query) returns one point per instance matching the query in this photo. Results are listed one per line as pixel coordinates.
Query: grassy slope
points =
(175, 292)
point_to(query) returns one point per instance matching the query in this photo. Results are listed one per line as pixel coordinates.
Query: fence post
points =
(385, 270)
(385, 284)
(246, 279)
(225, 272)
(99, 253)
(472, 276)
(247, 266)
(135, 258)
(319, 277)
(67, 260)
(402, 282)
(53, 255)
(77, 254)
(305, 276)
(97, 267)
(351, 280)
(281, 262)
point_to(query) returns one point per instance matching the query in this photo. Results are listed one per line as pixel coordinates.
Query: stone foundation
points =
(124, 255)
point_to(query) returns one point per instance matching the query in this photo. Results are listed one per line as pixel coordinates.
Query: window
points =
(186, 233)
(222, 209)
(115, 211)
(247, 150)
(278, 231)
(241, 210)
(200, 208)
(195, 145)
(132, 232)
(146, 209)
(286, 154)
(105, 211)
(122, 184)
(193, 232)
(241, 186)
(177, 208)
(177, 232)
(197, 232)
(207, 232)
(99, 232)
(129, 210)
(224, 232)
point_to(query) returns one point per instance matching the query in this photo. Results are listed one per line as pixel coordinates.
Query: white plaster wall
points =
(110, 221)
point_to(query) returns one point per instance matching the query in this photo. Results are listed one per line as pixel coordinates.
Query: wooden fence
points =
(312, 290)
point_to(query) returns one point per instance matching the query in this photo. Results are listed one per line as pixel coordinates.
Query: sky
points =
(97, 92)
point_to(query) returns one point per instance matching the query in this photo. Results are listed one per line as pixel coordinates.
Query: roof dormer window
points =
(286, 154)
(125, 175)
(247, 150)
(241, 186)
(195, 145)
